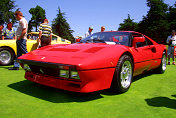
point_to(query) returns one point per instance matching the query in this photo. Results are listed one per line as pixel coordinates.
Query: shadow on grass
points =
(146, 74)
(52, 94)
(173, 95)
(162, 102)
(109, 92)
(60, 96)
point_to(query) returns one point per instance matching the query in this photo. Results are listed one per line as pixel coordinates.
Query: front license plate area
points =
(37, 78)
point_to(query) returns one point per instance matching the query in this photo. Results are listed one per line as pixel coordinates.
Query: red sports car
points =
(101, 61)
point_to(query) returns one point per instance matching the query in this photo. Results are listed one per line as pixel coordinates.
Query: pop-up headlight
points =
(68, 71)
(64, 73)
(74, 75)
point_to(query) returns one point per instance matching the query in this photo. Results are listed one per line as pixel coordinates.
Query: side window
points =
(34, 37)
(63, 40)
(148, 41)
(54, 38)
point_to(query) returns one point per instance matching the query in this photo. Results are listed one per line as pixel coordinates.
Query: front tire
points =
(6, 56)
(123, 74)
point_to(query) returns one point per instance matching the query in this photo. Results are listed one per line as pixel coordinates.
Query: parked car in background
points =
(8, 47)
(100, 61)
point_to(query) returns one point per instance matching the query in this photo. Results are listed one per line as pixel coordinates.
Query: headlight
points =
(64, 73)
(26, 67)
(68, 71)
(74, 75)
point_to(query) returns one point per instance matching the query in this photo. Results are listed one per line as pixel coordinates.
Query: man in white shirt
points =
(171, 41)
(89, 32)
(21, 34)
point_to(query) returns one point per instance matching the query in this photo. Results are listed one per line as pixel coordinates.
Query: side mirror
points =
(78, 40)
(138, 39)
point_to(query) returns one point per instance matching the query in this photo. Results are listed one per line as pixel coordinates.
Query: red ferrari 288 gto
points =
(101, 61)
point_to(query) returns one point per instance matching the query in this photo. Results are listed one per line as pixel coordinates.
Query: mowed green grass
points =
(150, 96)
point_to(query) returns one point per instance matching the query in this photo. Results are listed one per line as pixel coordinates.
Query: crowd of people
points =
(20, 35)
(91, 29)
(45, 37)
(88, 33)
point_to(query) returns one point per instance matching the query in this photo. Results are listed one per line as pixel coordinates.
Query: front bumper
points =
(90, 81)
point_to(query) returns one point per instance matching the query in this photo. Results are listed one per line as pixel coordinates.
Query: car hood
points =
(84, 56)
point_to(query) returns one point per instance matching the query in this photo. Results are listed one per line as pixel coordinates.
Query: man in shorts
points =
(171, 41)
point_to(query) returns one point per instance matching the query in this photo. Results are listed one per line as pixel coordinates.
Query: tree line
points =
(157, 24)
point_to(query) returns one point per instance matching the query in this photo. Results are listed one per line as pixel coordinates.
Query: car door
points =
(32, 42)
(143, 55)
(156, 53)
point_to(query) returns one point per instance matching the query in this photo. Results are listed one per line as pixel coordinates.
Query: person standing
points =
(171, 41)
(89, 31)
(8, 33)
(21, 34)
(1, 30)
(102, 28)
(45, 33)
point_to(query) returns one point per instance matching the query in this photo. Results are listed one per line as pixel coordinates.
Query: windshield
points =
(108, 37)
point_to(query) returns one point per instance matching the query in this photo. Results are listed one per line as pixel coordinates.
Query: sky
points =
(80, 14)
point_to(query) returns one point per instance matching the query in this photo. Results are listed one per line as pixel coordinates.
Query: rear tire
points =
(6, 56)
(123, 74)
(161, 69)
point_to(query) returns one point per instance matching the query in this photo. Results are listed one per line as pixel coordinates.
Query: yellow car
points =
(8, 49)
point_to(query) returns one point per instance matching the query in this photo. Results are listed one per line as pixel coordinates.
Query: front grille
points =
(62, 71)
(45, 70)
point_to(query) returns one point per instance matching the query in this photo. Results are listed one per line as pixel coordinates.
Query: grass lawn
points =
(150, 96)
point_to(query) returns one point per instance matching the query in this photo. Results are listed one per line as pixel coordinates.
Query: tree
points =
(155, 23)
(6, 11)
(61, 27)
(38, 15)
(172, 18)
(128, 25)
